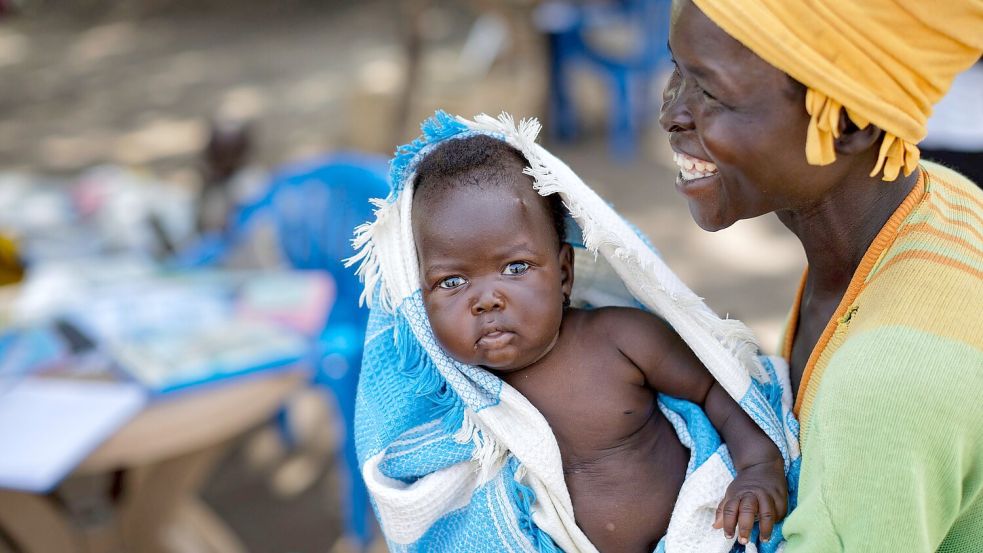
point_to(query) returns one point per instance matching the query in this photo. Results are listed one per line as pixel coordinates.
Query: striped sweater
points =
(891, 400)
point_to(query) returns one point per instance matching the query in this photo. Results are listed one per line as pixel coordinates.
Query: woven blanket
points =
(457, 460)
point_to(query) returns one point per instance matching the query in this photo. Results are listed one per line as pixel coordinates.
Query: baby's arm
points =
(671, 367)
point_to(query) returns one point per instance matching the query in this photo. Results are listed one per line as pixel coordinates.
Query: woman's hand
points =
(759, 492)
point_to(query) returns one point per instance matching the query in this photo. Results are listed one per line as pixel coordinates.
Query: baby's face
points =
(493, 275)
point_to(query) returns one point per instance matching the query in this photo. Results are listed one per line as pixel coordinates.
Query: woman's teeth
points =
(692, 168)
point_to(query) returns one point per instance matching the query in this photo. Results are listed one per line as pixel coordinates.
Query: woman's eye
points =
(451, 282)
(516, 268)
(710, 97)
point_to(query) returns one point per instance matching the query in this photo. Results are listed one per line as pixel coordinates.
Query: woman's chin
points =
(705, 199)
(707, 217)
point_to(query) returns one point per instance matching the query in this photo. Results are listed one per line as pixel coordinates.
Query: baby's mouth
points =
(691, 168)
(494, 338)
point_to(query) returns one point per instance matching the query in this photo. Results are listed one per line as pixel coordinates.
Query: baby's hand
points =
(758, 492)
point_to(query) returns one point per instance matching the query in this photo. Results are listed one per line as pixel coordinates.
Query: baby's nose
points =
(487, 300)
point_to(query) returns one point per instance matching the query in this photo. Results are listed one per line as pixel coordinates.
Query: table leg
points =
(161, 512)
(36, 524)
(209, 528)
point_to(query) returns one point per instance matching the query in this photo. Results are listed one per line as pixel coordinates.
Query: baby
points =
(496, 278)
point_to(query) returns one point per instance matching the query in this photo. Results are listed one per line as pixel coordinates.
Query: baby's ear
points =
(566, 268)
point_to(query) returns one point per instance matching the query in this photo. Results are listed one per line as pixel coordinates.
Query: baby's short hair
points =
(474, 161)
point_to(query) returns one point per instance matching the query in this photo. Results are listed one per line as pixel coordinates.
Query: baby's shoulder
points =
(618, 322)
(634, 332)
(618, 316)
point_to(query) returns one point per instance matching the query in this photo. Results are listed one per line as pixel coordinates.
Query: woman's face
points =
(737, 126)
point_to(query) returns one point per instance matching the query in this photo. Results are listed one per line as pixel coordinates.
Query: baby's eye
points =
(516, 268)
(451, 282)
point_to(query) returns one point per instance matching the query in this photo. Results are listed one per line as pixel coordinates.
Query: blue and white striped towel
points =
(457, 460)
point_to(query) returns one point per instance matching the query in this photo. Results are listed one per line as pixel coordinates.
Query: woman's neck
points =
(837, 231)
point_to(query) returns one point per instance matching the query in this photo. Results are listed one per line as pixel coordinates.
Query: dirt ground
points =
(135, 82)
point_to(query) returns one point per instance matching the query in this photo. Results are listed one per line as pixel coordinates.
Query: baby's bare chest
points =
(594, 400)
(622, 461)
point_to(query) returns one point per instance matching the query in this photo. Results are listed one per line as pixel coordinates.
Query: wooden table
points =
(165, 454)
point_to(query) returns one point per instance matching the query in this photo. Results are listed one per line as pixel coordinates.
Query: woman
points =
(812, 110)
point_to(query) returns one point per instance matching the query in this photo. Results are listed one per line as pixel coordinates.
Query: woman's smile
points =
(692, 168)
(696, 176)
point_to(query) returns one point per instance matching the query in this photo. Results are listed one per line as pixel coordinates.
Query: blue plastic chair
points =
(315, 206)
(567, 26)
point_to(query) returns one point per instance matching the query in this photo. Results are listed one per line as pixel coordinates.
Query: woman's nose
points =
(674, 116)
(487, 300)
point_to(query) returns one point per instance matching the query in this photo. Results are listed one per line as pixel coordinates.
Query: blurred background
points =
(179, 179)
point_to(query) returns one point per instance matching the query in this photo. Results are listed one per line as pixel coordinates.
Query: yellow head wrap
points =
(885, 61)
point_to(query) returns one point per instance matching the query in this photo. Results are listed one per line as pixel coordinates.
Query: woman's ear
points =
(566, 269)
(854, 140)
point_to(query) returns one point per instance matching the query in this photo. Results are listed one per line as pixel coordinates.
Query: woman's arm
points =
(893, 449)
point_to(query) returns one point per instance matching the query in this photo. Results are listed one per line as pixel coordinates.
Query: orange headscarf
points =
(884, 62)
